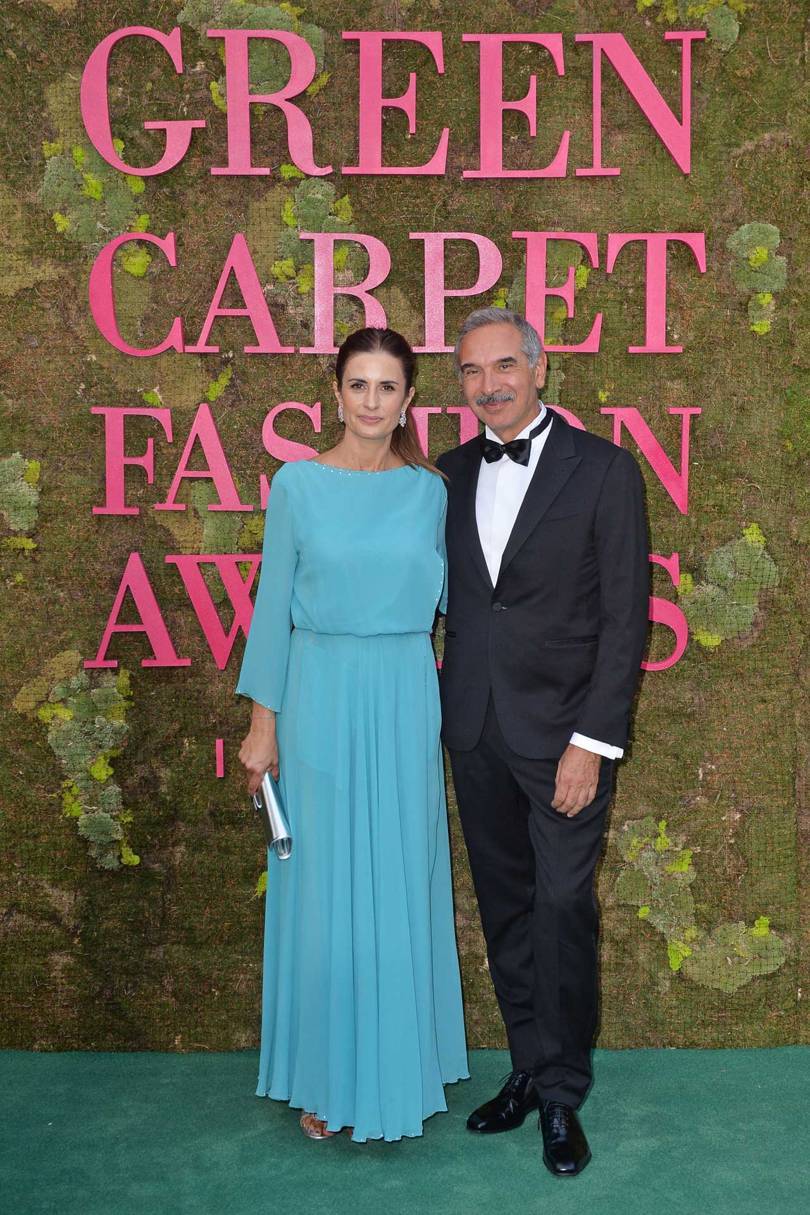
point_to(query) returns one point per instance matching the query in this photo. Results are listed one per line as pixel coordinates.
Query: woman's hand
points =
(259, 749)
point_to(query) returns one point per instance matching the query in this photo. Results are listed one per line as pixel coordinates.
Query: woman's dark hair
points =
(404, 440)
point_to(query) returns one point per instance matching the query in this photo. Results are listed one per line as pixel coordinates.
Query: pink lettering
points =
(655, 334)
(490, 264)
(662, 611)
(237, 587)
(570, 417)
(218, 470)
(95, 108)
(240, 264)
(379, 264)
(372, 103)
(285, 449)
(102, 296)
(467, 421)
(675, 136)
(675, 482)
(237, 87)
(135, 580)
(538, 290)
(493, 106)
(115, 461)
(421, 415)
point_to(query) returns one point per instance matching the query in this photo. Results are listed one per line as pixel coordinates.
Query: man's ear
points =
(541, 370)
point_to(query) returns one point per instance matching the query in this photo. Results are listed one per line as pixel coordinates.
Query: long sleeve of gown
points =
(441, 545)
(264, 664)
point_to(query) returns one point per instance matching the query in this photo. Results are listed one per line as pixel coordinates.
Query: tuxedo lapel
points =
(469, 520)
(557, 462)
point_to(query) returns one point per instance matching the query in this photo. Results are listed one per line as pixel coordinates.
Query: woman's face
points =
(373, 394)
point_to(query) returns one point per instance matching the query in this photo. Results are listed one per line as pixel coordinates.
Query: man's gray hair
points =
(530, 343)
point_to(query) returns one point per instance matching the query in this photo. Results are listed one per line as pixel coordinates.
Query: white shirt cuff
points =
(600, 748)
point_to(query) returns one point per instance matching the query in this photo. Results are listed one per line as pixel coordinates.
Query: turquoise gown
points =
(362, 1019)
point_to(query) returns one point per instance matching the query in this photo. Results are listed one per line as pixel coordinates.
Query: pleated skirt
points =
(362, 1020)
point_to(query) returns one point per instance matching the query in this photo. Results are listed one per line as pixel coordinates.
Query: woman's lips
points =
(368, 420)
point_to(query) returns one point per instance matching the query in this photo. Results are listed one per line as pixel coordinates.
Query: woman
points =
(362, 1018)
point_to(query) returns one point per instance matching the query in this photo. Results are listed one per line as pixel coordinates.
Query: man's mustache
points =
(494, 398)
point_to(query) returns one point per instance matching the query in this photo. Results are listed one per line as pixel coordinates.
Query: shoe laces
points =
(558, 1116)
(513, 1082)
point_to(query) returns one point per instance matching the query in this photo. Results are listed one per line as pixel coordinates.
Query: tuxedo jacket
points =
(558, 640)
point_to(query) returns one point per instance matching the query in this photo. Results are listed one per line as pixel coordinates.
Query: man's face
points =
(498, 384)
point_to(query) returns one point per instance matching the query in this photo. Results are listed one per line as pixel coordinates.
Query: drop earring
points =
(402, 418)
(340, 411)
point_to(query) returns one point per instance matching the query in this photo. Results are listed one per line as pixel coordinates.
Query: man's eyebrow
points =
(504, 358)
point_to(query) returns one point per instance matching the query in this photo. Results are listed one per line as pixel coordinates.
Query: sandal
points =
(315, 1128)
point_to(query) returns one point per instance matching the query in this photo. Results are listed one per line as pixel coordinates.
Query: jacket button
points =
(498, 607)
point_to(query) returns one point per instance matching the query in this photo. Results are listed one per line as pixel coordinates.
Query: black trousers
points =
(533, 871)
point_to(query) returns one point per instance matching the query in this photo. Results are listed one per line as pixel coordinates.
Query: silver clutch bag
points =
(270, 808)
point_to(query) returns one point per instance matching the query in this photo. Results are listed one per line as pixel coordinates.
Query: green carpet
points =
(672, 1131)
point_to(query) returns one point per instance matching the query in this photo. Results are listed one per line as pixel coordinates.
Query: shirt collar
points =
(524, 434)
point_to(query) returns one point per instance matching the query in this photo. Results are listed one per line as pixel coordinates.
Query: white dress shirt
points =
(499, 496)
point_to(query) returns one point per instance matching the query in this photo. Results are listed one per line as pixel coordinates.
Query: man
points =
(545, 630)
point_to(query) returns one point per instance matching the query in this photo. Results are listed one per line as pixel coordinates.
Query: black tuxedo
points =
(558, 640)
(553, 648)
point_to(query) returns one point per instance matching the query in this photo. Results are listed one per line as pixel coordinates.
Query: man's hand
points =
(577, 778)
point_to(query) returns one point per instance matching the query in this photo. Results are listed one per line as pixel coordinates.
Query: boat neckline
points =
(360, 472)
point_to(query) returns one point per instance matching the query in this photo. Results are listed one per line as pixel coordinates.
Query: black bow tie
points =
(518, 449)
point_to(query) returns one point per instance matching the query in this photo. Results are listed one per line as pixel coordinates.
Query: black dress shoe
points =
(517, 1098)
(565, 1148)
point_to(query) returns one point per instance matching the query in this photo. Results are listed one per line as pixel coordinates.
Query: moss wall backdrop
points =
(132, 873)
